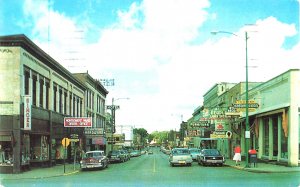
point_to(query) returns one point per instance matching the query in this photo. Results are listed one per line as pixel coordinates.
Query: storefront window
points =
(6, 151)
(284, 145)
(275, 135)
(25, 150)
(266, 136)
(39, 147)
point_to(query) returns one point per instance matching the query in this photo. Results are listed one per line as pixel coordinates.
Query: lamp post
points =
(247, 131)
(113, 109)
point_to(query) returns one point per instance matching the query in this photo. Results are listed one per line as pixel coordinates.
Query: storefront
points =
(6, 152)
(95, 139)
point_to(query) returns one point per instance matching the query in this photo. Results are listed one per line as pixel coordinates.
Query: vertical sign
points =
(27, 112)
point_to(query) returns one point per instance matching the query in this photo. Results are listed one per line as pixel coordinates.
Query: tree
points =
(142, 132)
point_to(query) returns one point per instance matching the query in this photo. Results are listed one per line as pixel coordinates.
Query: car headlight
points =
(80, 161)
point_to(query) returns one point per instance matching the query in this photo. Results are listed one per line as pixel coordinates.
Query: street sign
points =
(250, 105)
(242, 104)
(65, 142)
(109, 107)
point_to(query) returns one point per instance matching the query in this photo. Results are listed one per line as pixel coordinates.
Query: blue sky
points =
(160, 53)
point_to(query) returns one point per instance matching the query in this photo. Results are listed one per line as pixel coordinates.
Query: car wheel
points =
(172, 165)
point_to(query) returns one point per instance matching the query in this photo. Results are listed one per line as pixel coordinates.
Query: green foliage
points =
(159, 136)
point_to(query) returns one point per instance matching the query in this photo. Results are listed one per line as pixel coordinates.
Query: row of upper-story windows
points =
(62, 100)
(90, 100)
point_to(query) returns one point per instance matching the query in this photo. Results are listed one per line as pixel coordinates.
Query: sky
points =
(161, 53)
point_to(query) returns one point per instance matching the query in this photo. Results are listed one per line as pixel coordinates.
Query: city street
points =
(154, 170)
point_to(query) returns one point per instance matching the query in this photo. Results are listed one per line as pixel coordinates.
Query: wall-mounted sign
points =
(78, 122)
(93, 131)
(27, 112)
(220, 134)
(219, 126)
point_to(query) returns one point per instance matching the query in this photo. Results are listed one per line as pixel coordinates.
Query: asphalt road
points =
(154, 170)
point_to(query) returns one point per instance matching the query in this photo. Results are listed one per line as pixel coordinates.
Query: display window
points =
(59, 150)
(25, 149)
(39, 148)
(6, 151)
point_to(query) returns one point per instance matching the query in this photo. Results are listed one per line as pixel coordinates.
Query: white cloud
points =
(155, 36)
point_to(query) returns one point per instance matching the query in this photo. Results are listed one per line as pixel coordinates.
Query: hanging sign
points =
(78, 122)
(27, 112)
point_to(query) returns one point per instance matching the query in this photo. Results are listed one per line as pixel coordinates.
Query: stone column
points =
(293, 128)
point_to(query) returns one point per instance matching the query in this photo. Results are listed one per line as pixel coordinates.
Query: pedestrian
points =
(237, 155)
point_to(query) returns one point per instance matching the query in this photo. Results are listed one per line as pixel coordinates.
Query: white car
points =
(194, 153)
(180, 156)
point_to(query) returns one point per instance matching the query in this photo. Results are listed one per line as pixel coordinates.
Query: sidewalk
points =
(262, 167)
(47, 172)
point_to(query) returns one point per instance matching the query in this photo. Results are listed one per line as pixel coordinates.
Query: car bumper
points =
(115, 159)
(213, 161)
(90, 166)
(181, 162)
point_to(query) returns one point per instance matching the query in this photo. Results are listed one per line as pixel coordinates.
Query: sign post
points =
(65, 142)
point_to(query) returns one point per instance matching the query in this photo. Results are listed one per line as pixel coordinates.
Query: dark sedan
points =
(116, 156)
(210, 157)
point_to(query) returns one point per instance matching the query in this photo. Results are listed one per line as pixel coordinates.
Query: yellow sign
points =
(244, 109)
(244, 102)
(65, 142)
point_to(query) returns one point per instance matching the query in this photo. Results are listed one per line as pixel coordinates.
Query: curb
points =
(259, 171)
(42, 177)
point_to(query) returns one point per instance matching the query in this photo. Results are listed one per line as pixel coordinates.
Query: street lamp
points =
(113, 109)
(247, 132)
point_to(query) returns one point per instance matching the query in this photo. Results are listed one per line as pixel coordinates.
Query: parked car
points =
(194, 153)
(94, 159)
(135, 153)
(116, 156)
(126, 154)
(180, 156)
(210, 157)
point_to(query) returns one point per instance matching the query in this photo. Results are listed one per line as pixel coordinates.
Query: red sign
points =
(78, 122)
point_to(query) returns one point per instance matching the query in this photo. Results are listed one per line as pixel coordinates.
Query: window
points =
(60, 110)
(65, 102)
(54, 97)
(47, 94)
(26, 82)
(266, 136)
(41, 91)
(34, 89)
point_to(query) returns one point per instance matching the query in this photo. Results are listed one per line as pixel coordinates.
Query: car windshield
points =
(180, 152)
(194, 151)
(113, 153)
(92, 154)
(211, 152)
